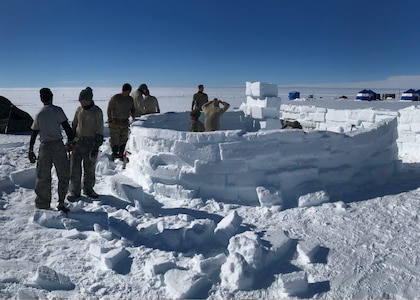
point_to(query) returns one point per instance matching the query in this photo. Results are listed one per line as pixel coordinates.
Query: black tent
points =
(13, 119)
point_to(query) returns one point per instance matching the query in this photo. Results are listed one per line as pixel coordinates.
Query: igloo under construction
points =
(252, 161)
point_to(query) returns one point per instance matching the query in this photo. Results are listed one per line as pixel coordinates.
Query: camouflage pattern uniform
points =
(199, 99)
(88, 128)
(120, 108)
(51, 152)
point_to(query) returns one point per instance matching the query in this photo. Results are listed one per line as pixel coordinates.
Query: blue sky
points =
(214, 42)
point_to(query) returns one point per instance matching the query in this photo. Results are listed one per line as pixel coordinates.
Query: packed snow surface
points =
(138, 243)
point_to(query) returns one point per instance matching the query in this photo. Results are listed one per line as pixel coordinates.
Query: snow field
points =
(150, 236)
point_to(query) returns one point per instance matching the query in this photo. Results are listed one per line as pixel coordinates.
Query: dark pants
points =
(79, 156)
(51, 153)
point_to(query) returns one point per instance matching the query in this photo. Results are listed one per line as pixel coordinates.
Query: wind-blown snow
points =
(168, 242)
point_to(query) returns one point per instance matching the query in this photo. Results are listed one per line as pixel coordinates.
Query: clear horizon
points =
(217, 43)
(394, 82)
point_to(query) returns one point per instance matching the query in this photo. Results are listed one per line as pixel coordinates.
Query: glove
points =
(93, 155)
(70, 147)
(32, 157)
(99, 139)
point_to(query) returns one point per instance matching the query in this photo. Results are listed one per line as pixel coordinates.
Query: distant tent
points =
(13, 119)
(411, 95)
(294, 95)
(388, 96)
(367, 95)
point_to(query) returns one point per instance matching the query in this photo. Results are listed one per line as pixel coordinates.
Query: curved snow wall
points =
(229, 165)
(319, 118)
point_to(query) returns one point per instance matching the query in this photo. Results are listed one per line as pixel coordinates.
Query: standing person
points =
(120, 108)
(199, 98)
(150, 103)
(212, 113)
(196, 125)
(47, 124)
(138, 100)
(88, 127)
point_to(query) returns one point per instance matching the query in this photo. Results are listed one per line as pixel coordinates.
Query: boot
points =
(114, 152)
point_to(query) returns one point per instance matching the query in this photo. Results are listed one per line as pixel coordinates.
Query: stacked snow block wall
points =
(263, 104)
(231, 165)
(231, 120)
(319, 118)
(409, 134)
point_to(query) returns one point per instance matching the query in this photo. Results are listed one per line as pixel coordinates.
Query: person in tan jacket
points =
(212, 113)
(120, 108)
(150, 103)
(138, 100)
(144, 102)
(88, 128)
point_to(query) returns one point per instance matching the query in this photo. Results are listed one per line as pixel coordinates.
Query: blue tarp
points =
(294, 95)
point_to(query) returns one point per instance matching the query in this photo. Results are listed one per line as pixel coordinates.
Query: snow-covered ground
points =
(136, 243)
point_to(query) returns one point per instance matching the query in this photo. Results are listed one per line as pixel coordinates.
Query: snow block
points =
(70, 224)
(281, 244)
(115, 257)
(186, 284)
(24, 178)
(48, 279)
(227, 227)
(273, 102)
(87, 219)
(71, 234)
(307, 251)
(271, 124)
(262, 90)
(158, 265)
(211, 266)
(209, 152)
(126, 188)
(174, 191)
(295, 283)
(264, 113)
(250, 246)
(27, 294)
(97, 251)
(48, 218)
(236, 273)
(248, 90)
(313, 199)
(199, 232)
(268, 197)
(7, 186)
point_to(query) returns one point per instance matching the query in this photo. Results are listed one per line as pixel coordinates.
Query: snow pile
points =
(225, 250)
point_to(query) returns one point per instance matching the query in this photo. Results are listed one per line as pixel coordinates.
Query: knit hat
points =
(86, 94)
(45, 94)
(143, 86)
